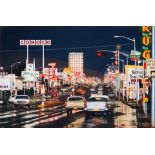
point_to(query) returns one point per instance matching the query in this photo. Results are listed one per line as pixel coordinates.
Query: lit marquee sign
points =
(35, 42)
(146, 42)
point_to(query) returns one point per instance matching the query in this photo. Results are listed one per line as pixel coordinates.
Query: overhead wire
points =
(70, 48)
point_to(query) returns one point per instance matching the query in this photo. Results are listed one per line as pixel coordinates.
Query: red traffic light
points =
(99, 54)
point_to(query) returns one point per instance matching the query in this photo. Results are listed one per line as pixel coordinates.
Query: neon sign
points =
(146, 42)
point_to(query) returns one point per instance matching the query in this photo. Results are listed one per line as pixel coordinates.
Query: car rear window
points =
(98, 99)
(22, 97)
(75, 99)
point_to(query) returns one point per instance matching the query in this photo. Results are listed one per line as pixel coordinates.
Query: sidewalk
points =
(125, 116)
(142, 120)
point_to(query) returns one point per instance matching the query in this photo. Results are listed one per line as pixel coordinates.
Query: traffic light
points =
(101, 53)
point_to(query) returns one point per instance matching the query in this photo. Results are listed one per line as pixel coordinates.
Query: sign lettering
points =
(146, 42)
(35, 42)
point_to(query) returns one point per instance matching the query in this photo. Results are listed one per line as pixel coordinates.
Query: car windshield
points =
(111, 94)
(22, 97)
(47, 94)
(98, 99)
(75, 99)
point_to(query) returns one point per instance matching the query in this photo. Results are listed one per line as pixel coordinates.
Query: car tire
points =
(28, 106)
(68, 112)
(87, 115)
(15, 105)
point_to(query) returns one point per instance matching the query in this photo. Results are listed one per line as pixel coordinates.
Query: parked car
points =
(74, 103)
(98, 104)
(23, 100)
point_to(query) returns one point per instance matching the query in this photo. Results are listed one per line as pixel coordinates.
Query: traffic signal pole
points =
(153, 81)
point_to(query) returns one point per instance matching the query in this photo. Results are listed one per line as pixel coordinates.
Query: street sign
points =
(150, 67)
(135, 54)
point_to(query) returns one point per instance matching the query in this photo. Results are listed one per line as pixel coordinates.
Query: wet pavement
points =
(54, 116)
(127, 116)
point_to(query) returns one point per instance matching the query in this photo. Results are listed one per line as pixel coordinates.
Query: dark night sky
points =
(69, 39)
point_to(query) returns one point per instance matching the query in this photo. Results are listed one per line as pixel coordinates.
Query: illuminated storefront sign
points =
(30, 76)
(133, 72)
(5, 83)
(146, 42)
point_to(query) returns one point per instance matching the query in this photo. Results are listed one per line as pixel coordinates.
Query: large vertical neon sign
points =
(146, 42)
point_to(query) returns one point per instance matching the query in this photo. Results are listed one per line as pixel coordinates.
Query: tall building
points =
(75, 61)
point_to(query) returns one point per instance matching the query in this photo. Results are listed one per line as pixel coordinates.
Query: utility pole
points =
(43, 57)
(118, 60)
(153, 81)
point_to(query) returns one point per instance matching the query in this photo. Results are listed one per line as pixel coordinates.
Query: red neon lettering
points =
(43, 42)
(27, 42)
(48, 42)
(37, 42)
(32, 42)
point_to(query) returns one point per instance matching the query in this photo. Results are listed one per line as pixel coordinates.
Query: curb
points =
(130, 104)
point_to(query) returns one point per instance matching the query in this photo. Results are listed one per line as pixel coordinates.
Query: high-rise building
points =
(75, 61)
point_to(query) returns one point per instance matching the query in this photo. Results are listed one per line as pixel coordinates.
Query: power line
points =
(73, 48)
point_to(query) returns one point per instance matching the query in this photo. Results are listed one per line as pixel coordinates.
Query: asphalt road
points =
(53, 116)
(49, 117)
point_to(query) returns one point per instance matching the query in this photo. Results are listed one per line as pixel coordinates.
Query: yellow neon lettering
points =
(146, 29)
(146, 40)
(146, 54)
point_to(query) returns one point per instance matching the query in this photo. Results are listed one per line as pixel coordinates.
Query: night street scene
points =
(77, 77)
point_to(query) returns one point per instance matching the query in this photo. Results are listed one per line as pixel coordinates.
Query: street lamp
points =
(133, 40)
(14, 65)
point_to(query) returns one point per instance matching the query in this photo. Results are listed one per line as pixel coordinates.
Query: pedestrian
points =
(140, 105)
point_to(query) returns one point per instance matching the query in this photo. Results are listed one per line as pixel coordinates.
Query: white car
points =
(12, 99)
(74, 103)
(1, 102)
(22, 100)
(98, 104)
